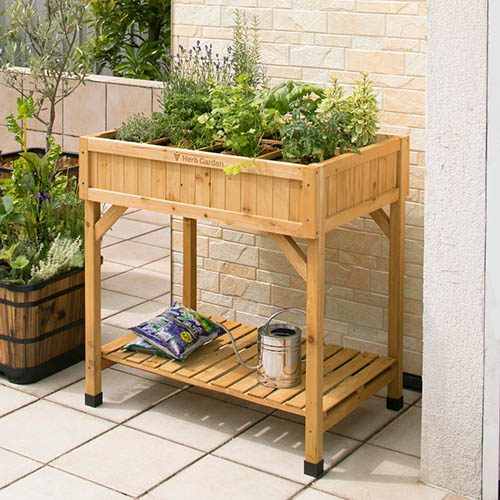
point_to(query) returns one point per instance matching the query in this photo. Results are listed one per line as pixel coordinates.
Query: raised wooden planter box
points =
(41, 327)
(283, 199)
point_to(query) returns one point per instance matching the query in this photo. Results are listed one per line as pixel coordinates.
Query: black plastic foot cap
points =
(395, 404)
(314, 470)
(93, 401)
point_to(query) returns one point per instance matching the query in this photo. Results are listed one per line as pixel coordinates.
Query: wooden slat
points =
(104, 171)
(117, 174)
(265, 196)
(281, 199)
(233, 193)
(218, 189)
(173, 182)
(249, 194)
(158, 181)
(356, 382)
(188, 184)
(295, 200)
(202, 186)
(130, 169)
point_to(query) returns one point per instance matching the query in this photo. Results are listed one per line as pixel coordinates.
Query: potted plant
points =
(42, 302)
(46, 41)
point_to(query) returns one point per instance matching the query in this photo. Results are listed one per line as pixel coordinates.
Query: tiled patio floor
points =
(155, 440)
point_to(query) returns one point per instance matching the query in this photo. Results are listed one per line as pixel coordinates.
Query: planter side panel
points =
(273, 200)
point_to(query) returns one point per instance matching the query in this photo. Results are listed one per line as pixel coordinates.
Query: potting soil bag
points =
(178, 331)
(140, 345)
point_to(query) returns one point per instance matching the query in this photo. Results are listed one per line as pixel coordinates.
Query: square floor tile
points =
(160, 266)
(52, 484)
(109, 240)
(149, 376)
(131, 253)
(159, 238)
(158, 218)
(403, 434)
(197, 421)
(124, 395)
(11, 399)
(44, 430)
(127, 460)
(367, 419)
(409, 396)
(126, 228)
(114, 302)
(13, 466)
(276, 446)
(312, 494)
(136, 315)
(231, 399)
(373, 473)
(110, 333)
(109, 269)
(52, 383)
(213, 479)
(141, 282)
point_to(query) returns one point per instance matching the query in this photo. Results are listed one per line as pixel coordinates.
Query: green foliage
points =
(141, 128)
(38, 206)
(362, 109)
(237, 118)
(131, 35)
(45, 40)
(287, 96)
(245, 50)
(332, 123)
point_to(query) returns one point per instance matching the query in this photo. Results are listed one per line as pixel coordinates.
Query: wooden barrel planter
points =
(6, 159)
(41, 327)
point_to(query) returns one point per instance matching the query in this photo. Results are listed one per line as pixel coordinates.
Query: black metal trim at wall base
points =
(31, 375)
(412, 382)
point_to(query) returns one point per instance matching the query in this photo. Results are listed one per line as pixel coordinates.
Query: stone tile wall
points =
(244, 276)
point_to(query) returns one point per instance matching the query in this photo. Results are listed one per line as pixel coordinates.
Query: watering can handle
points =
(286, 309)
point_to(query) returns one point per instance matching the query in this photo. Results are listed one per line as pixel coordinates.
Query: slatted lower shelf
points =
(350, 376)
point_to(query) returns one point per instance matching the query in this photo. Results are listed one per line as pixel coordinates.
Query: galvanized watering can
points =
(280, 356)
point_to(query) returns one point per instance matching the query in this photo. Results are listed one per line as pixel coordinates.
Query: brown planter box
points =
(6, 171)
(41, 327)
(276, 196)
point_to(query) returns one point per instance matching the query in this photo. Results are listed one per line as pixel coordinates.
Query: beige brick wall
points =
(244, 276)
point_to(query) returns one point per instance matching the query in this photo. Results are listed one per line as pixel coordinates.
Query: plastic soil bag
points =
(140, 345)
(178, 331)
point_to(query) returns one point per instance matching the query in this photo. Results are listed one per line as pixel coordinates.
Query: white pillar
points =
(491, 440)
(454, 255)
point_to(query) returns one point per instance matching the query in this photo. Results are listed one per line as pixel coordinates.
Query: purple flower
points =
(42, 196)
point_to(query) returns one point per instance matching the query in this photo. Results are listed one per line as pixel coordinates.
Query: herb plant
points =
(141, 128)
(41, 218)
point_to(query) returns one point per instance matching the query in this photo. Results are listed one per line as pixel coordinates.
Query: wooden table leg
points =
(396, 278)
(93, 383)
(314, 464)
(189, 263)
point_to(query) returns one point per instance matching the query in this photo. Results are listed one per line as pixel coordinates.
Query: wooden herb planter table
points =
(285, 200)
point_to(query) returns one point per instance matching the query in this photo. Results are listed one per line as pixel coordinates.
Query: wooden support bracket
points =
(292, 252)
(104, 224)
(382, 220)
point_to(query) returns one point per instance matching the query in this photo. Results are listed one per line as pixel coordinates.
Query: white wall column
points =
(454, 259)
(491, 440)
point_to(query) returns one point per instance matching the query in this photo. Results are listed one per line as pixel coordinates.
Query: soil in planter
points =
(69, 166)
